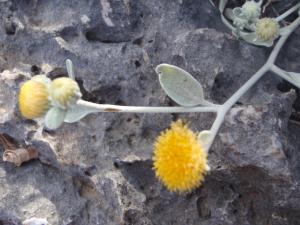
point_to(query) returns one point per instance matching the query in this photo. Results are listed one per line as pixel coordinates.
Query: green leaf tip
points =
(179, 85)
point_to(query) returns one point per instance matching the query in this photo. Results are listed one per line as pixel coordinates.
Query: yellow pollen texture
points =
(179, 160)
(33, 99)
(63, 90)
(267, 29)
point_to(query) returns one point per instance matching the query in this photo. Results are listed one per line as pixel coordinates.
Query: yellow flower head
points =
(33, 99)
(267, 29)
(180, 161)
(251, 10)
(64, 92)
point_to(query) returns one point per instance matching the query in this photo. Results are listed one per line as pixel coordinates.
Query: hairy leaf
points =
(179, 85)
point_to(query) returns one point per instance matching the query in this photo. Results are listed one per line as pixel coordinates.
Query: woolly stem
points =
(221, 110)
(232, 100)
(284, 75)
(269, 65)
(145, 109)
(288, 12)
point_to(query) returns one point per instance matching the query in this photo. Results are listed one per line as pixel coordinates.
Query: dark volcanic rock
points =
(8, 218)
(99, 170)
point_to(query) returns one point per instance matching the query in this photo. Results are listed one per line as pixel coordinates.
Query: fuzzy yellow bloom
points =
(251, 10)
(180, 161)
(33, 99)
(64, 92)
(267, 29)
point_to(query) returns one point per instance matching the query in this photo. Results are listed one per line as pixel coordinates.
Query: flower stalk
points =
(180, 157)
(268, 66)
(177, 83)
(220, 110)
(93, 107)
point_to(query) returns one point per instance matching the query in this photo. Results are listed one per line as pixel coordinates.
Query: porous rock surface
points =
(99, 170)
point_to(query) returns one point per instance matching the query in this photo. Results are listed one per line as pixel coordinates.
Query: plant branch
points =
(288, 12)
(285, 75)
(144, 109)
(269, 65)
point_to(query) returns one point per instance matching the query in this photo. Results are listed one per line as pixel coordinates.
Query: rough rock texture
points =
(99, 170)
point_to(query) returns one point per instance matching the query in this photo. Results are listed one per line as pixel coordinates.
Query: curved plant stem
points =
(281, 41)
(284, 75)
(145, 109)
(288, 12)
(221, 110)
(269, 65)
(242, 34)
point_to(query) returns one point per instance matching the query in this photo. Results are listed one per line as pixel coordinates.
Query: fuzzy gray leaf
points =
(179, 85)
(54, 118)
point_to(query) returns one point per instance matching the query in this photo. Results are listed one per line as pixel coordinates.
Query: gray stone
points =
(99, 170)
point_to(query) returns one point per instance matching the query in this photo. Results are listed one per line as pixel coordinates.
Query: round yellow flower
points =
(64, 92)
(33, 99)
(267, 29)
(180, 161)
(251, 10)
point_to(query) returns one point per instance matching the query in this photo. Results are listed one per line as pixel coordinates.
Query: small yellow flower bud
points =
(180, 161)
(33, 99)
(251, 10)
(267, 29)
(64, 92)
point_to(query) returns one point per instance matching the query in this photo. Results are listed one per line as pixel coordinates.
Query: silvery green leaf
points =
(179, 85)
(77, 113)
(252, 39)
(70, 68)
(54, 118)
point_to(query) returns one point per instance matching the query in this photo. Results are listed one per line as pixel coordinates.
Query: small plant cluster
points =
(180, 154)
(246, 22)
(40, 96)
